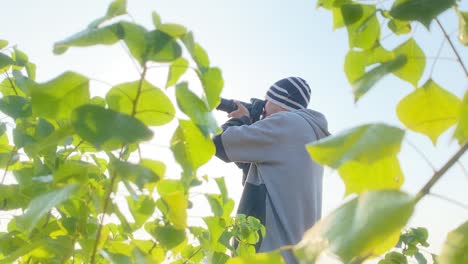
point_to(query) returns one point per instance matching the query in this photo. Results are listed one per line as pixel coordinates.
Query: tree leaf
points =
(362, 25)
(173, 197)
(108, 129)
(413, 69)
(213, 83)
(177, 69)
(420, 258)
(429, 110)
(200, 56)
(3, 43)
(157, 167)
(394, 258)
(365, 144)
(423, 11)
(153, 107)
(162, 47)
(357, 61)
(16, 106)
(156, 19)
(117, 8)
(455, 248)
(72, 171)
(135, 173)
(141, 209)
(56, 99)
(461, 132)
(20, 58)
(273, 257)
(399, 27)
(31, 70)
(196, 109)
(382, 174)
(190, 147)
(462, 26)
(359, 228)
(368, 80)
(5, 62)
(167, 235)
(173, 30)
(134, 37)
(42, 204)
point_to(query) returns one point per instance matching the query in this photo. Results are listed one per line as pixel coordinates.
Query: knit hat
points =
(292, 93)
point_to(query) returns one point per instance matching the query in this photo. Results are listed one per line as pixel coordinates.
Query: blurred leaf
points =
(134, 37)
(394, 258)
(173, 30)
(359, 228)
(399, 27)
(157, 167)
(420, 258)
(196, 109)
(5, 62)
(199, 55)
(141, 209)
(190, 147)
(222, 188)
(455, 248)
(216, 227)
(108, 129)
(135, 173)
(75, 171)
(162, 47)
(49, 140)
(273, 257)
(42, 204)
(117, 8)
(429, 110)
(22, 82)
(423, 11)
(156, 19)
(20, 58)
(462, 26)
(31, 70)
(357, 61)
(213, 83)
(461, 132)
(382, 174)
(57, 98)
(168, 236)
(177, 69)
(365, 144)
(15, 106)
(173, 196)
(362, 25)
(189, 43)
(413, 69)
(146, 102)
(368, 80)
(3, 43)
(12, 197)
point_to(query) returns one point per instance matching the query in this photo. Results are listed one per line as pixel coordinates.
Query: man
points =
(284, 185)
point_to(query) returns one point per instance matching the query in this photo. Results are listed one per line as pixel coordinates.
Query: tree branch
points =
(453, 47)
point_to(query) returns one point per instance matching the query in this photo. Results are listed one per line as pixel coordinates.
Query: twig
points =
(453, 47)
(438, 174)
(140, 85)
(12, 153)
(422, 154)
(191, 256)
(137, 67)
(11, 83)
(74, 149)
(464, 206)
(438, 54)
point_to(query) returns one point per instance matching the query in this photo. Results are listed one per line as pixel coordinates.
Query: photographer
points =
(283, 188)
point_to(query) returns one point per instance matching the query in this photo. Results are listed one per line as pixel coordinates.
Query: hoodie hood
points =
(316, 120)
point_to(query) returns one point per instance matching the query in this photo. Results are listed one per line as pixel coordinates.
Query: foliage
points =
(69, 155)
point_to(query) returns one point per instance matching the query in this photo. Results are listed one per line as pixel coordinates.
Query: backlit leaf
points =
(156, 19)
(134, 173)
(273, 257)
(173, 30)
(462, 26)
(16, 106)
(363, 227)
(177, 69)
(357, 61)
(153, 107)
(399, 27)
(162, 47)
(365, 144)
(174, 198)
(461, 133)
(141, 209)
(455, 248)
(362, 25)
(423, 11)
(213, 83)
(430, 110)
(413, 69)
(5, 62)
(3, 43)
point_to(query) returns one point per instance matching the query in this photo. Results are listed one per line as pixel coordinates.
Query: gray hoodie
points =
(284, 185)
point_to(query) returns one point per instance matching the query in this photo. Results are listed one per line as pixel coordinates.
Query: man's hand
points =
(240, 112)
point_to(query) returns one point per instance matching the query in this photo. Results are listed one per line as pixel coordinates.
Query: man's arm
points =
(217, 140)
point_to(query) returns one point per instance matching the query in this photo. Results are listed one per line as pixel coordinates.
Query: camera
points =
(255, 107)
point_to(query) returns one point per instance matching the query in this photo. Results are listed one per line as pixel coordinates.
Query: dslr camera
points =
(255, 107)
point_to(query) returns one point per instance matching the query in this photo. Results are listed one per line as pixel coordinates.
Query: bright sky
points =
(256, 43)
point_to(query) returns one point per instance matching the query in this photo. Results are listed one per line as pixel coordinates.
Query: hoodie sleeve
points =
(217, 140)
(254, 143)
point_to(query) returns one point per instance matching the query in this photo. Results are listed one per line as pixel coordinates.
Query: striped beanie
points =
(292, 93)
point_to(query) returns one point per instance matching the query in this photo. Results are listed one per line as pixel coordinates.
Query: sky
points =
(256, 43)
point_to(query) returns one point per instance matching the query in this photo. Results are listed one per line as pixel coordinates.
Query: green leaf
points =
(379, 175)
(368, 80)
(31, 70)
(420, 258)
(57, 98)
(177, 69)
(365, 144)
(107, 35)
(173, 30)
(20, 58)
(135, 173)
(157, 167)
(196, 109)
(413, 69)
(156, 19)
(429, 110)
(168, 236)
(273, 257)
(22, 84)
(3, 43)
(359, 228)
(75, 171)
(462, 26)
(222, 188)
(399, 27)
(42, 204)
(5, 62)
(190, 147)
(461, 132)
(134, 37)
(394, 258)
(141, 209)
(213, 84)
(423, 11)
(357, 61)
(108, 129)
(117, 8)
(455, 248)
(16, 106)
(189, 43)
(146, 102)
(362, 25)
(174, 198)
(199, 55)
(162, 47)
